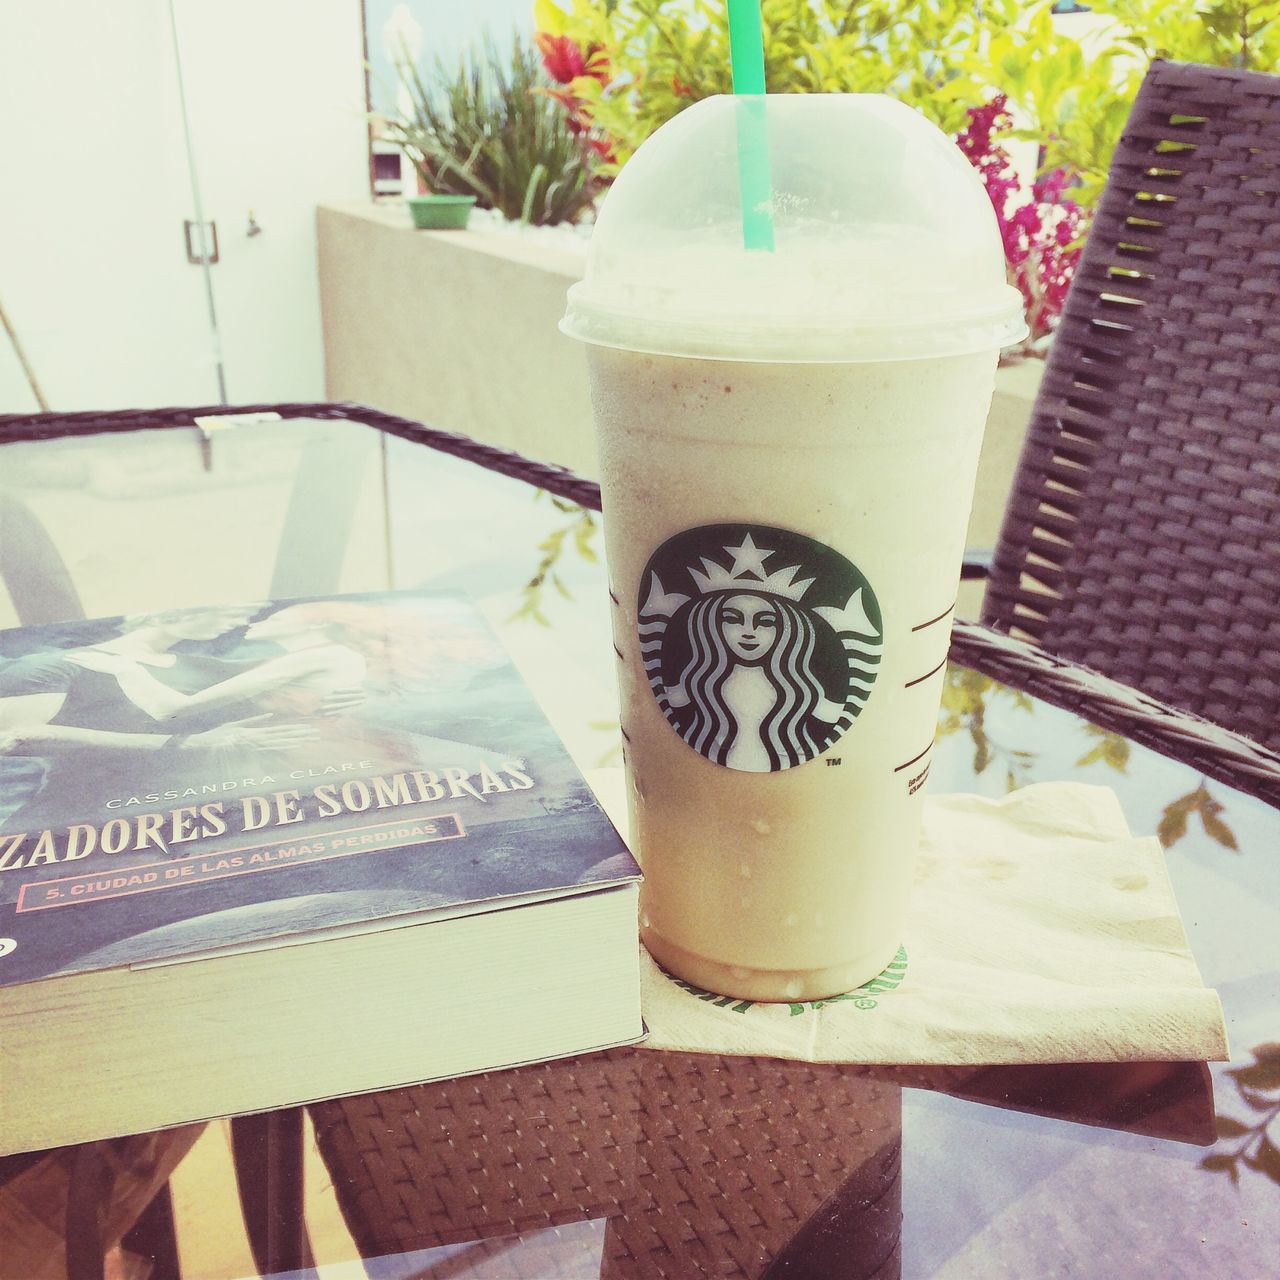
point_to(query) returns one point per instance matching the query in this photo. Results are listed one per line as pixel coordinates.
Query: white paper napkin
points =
(1040, 930)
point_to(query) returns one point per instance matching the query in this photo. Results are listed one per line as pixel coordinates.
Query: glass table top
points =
(636, 1162)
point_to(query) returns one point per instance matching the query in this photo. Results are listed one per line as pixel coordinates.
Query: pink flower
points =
(1035, 230)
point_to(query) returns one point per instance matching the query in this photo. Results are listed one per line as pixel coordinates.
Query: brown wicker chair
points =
(1142, 539)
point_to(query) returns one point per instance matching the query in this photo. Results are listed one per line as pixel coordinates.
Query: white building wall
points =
(94, 188)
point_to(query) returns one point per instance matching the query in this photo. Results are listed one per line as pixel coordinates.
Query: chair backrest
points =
(1143, 535)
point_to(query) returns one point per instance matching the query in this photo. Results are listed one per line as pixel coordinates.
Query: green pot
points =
(440, 213)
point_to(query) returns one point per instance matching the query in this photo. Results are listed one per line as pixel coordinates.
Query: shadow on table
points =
(1169, 1100)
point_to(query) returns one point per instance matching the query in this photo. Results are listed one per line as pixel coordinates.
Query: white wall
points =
(93, 269)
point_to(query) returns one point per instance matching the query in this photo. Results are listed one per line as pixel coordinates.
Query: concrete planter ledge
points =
(458, 329)
(454, 328)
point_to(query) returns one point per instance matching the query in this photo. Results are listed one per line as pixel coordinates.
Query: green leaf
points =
(960, 700)
(961, 89)
(1261, 1075)
(1266, 1159)
(1173, 822)
(582, 537)
(1257, 1101)
(549, 17)
(531, 192)
(1115, 751)
(982, 746)
(1052, 74)
(1218, 830)
(1224, 1163)
(1229, 1128)
(1219, 1160)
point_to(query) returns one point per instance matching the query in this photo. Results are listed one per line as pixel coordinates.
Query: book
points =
(255, 857)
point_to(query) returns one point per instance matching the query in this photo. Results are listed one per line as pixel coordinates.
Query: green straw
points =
(755, 183)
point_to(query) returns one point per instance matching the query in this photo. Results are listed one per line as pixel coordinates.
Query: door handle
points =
(211, 241)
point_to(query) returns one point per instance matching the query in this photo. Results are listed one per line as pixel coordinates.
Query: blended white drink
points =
(785, 500)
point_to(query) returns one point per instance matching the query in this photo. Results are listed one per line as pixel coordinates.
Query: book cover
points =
(179, 782)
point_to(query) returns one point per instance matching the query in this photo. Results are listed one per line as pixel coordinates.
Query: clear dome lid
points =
(886, 244)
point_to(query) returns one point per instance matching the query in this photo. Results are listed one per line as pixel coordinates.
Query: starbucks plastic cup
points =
(788, 441)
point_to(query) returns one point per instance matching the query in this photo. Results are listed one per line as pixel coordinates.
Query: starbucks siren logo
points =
(761, 645)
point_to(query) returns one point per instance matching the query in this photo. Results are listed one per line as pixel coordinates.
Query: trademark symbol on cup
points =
(7, 945)
(833, 763)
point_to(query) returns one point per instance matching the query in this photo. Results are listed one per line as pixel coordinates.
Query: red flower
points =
(565, 60)
(603, 148)
(561, 56)
(572, 105)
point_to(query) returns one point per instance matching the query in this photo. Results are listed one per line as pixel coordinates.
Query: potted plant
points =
(439, 211)
(487, 133)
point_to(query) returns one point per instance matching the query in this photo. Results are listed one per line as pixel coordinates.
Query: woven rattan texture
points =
(487, 1156)
(1218, 753)
(555, 479)
(1143, 536)
(697, 1165)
